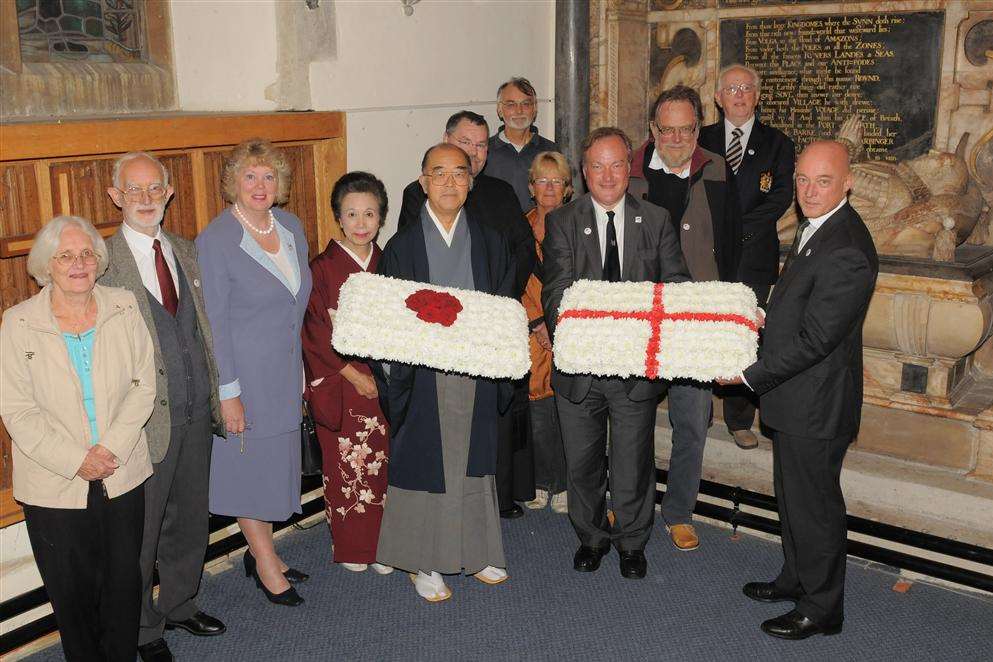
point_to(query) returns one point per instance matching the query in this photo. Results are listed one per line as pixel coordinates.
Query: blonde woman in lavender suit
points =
(256, 284)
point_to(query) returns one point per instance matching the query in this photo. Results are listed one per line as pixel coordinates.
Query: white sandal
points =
(431, 587)
(492, 576)
(539, 501)
(355, 567)
(381, 569)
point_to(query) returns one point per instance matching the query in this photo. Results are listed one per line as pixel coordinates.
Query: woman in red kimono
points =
(341, 391)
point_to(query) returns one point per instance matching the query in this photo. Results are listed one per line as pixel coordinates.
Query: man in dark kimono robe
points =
(441, 507)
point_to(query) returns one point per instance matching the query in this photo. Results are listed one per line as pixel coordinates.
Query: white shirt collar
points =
(504, 138)
(818, 221)
(658, 164)
(600, 212)
(746, 131)
(139, 241)
(363, 264)
(447, 235)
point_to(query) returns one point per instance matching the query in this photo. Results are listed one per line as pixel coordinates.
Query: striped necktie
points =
(734, 150)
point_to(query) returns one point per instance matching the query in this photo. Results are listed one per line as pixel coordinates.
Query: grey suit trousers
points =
(176, 528)
(632, 465)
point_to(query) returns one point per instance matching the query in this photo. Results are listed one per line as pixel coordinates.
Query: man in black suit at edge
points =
(608, 235)
(762, 160)
(493, 202)
(809, 379)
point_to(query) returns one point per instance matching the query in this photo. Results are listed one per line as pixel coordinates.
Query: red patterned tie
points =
(168, 289)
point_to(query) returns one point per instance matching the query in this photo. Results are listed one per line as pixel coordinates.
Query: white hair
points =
(131, 156)
(46, 242)
(731, 67)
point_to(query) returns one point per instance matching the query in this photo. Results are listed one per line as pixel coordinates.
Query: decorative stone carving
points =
(922, 207)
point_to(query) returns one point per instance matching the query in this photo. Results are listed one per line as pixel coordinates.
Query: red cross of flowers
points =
(655, 316)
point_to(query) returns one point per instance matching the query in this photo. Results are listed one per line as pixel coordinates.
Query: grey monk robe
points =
(441, 511)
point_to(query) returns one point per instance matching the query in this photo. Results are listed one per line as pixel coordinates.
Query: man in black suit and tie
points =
(762, 160)
(608, 235)
(809, 379)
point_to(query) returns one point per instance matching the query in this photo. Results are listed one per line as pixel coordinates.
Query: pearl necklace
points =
(241, 217)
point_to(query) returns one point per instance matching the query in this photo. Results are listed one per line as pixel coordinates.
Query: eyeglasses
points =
(744, 88)
(136, 193)
(545, 181)
(683, 131)
(440, 177)
(527, 104)
(68, 258)
(469, 145)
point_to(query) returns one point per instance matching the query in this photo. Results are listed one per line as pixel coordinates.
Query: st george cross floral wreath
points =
(446, 328)
(701, 331)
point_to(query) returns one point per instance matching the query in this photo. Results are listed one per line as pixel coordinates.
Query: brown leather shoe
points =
(745, 439)
(683, 536)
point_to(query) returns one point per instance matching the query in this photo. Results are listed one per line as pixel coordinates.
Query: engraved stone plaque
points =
(819, 70)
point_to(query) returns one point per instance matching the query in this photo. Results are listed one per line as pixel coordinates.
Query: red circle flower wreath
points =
(434, 307)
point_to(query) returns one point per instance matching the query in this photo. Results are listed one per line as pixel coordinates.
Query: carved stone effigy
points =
(921, 207)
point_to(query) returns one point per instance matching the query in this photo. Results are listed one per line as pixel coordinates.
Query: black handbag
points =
(310, 447)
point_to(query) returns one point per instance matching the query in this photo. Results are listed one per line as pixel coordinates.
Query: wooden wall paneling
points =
(80, 189)
(181, 214)
(20, 199)
(330, 165)
(198, 177)
(213, 165)
(303, 200)
(176, 131)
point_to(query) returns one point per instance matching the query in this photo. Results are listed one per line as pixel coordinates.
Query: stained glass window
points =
(80, 30)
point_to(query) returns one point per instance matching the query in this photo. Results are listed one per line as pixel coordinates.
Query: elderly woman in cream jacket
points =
(77, 385)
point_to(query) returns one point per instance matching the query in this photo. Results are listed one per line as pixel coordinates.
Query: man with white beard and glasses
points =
(161, 269)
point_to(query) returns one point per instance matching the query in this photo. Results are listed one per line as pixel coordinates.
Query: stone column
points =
(628, 38)
(572, 80)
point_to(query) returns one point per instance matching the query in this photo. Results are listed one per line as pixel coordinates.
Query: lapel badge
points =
(765, 181)
(29, 355)
(587, 231)
(807, 253)
(196, 282)
(751, 152)
(637, 219)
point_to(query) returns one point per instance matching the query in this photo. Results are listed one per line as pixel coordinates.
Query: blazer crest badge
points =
(765, 181)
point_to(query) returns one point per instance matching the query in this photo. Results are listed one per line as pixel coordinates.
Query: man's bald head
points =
(823, 177)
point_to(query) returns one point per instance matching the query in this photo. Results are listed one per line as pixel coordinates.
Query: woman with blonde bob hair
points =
(550, 183)
(78, 384)
(256, 285)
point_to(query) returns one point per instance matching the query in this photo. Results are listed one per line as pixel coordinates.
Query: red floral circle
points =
(435, 307)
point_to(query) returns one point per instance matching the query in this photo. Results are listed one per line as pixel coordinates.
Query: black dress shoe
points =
(794, 625)
(513, 512)
(766, 592)
(155, 651)
(587, 559)
(634, 565)
(200, 624)
(292, 575)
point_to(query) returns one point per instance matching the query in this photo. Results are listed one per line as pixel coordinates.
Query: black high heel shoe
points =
(292, 575)
(288, 598)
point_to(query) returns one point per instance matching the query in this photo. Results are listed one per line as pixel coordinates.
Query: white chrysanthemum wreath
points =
(446, 328)
(700, 331)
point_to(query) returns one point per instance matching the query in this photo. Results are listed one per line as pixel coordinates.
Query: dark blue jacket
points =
(409, 397)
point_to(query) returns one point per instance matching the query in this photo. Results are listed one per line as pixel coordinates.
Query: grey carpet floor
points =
(690, 607)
